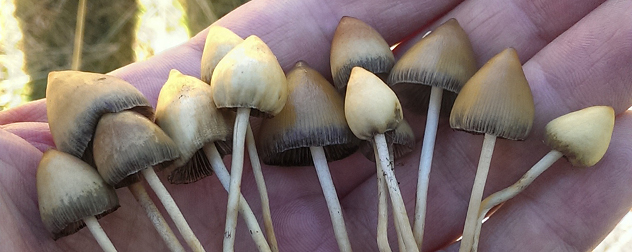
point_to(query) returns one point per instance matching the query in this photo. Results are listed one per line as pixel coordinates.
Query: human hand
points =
(574, 55)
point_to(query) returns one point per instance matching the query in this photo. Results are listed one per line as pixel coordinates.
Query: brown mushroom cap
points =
(357, 44)
(219, 41)
(126, 143)
(76, 100)
(497, 100)
(313, 116)
(582, 136)
(69, 190)
(401, 138)
(250, 76)
(186, 113)
(371, 107)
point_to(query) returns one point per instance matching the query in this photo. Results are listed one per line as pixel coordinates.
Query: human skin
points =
(574, 55)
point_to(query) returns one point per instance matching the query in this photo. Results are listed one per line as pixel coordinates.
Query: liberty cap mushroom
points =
(497, 102)
(582, 137)
(311, 129)
(249, 79)
(71, 194)
(219, 41)
(357, 44)
(76, 100)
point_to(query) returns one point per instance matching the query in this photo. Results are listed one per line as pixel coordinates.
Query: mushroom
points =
(126, 144)
(371, 109)
(75, 102)
(249, 79)
(219, 41)
(497, 102)
(444, 59)
(71, 195)
(357, 44)
(311, 130)
(185, 112)
(582, 137)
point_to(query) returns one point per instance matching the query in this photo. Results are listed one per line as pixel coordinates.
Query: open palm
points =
(574, 54)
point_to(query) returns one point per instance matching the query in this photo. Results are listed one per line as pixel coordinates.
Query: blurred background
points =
(36, 37)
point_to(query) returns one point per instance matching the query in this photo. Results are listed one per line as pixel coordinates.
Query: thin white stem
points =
(236, 170)
(99, 234)
(79, 30)
(331, 197)
(246, 212)
(261, 186)
(399, 209)
(382, 210)
(224, 178)
(425, 163)
(172, 209)
(505, 194)
(140, 194)
(477, 192)
(398, 229)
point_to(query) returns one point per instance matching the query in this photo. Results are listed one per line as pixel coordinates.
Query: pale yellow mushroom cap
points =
(371, 107)
(219, 41)
(355, 43)
(497, 100)
(582, 136)
(69, 190)
(250, 76)
(186, 113)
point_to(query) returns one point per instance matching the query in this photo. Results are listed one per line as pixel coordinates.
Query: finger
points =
(35, 133)
(31, 112)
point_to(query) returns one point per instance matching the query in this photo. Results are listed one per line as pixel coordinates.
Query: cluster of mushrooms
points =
(114, 138)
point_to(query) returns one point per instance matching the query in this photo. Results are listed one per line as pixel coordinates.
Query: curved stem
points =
(399, 209)
(505, 194)
(239, 133)
(140, 194)
(331, 197)
(477, 192)
(246, 212)
(261, 186)
(425, 163)
(99, 234)
(382, 210)
(172, 209)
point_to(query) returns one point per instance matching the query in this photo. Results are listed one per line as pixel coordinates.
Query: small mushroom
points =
(249, 79)
(186, 112)
(582, 137)
(219, 41)
(371, 109)
(71, 195)
(497, 102)
(355, 43)
(311, 130)
(127, 143)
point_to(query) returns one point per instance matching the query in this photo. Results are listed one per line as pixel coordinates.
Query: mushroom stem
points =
(425, 163)
(99, 234)
(172, 209)
(382, 210)
(246, 212)
(261, 186)
(140, 194)
(331, 197)
(236, 169)
(399, 209)
(513, 190)
(477, 192)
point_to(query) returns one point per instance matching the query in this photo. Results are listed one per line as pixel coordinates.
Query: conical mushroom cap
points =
(76, 100)
(357, 44)
(371, 107)
(497, 100)
(250, 76)
(402, 138)
(69, 190)
(313, 116)
(582, 136)
(126, 143)
(186, 113)
(219, 41)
